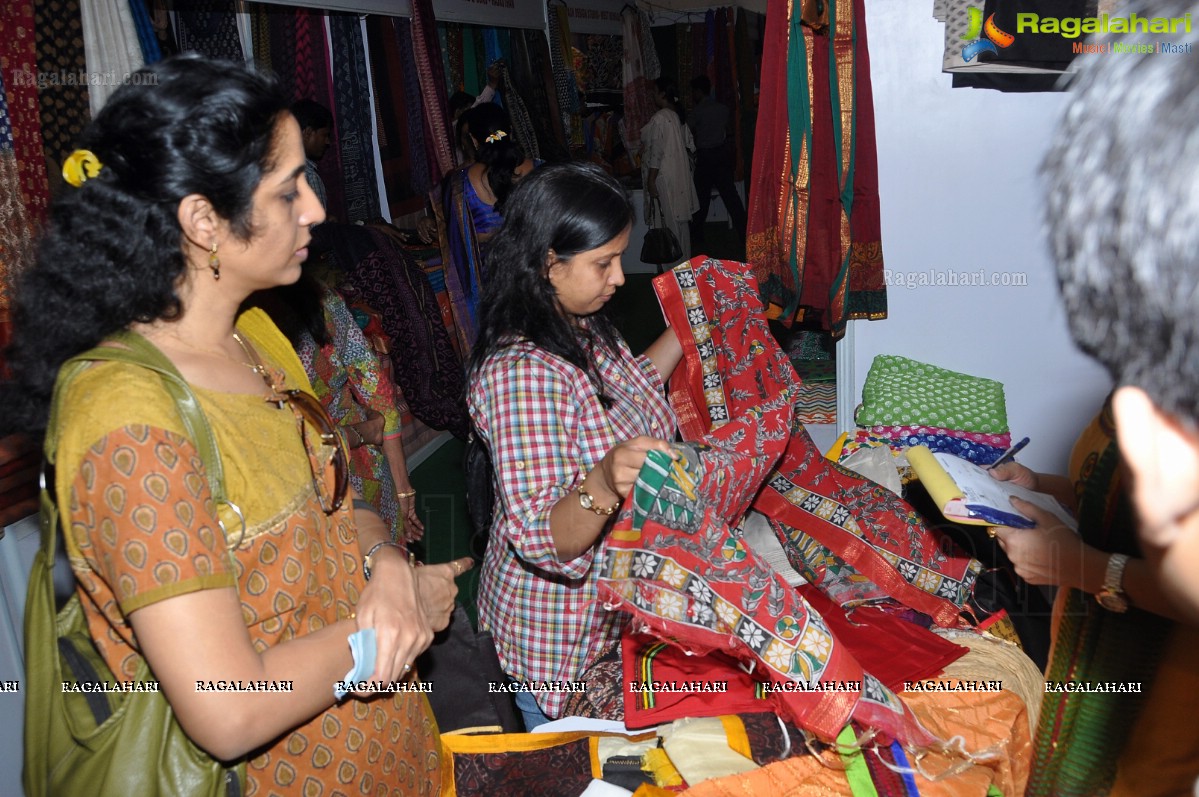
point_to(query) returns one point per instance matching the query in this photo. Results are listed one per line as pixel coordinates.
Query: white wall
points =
(959, 191)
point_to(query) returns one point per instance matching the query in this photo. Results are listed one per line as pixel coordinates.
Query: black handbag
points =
(460, 667)
(480, 493)
(660, 245)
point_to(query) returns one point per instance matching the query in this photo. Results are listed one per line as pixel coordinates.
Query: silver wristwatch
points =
(1112, 596)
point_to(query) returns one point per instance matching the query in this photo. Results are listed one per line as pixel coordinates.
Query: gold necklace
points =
(275, 394)
(217, 352)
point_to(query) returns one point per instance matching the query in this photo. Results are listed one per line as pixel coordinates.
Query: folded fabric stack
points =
(817, 399)
(907, 403)
(810, 355)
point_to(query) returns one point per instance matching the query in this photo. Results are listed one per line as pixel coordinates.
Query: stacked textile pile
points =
(908, 403)
(810, 354)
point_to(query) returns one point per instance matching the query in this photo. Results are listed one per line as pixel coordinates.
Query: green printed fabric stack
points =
(903, 392)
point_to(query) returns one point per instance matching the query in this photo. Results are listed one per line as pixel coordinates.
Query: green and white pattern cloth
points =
(903, 392)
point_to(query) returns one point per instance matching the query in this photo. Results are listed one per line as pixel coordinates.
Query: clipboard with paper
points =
(966, 493)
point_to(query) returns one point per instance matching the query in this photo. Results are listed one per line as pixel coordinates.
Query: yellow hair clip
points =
(79, 166)
(496, 136)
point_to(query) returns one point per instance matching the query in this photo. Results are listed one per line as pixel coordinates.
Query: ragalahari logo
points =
(991, 41)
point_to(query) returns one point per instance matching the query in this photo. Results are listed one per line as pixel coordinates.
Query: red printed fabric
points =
(676, 567)
(732, 392)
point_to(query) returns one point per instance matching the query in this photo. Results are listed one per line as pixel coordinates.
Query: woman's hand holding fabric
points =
(437, 589)
(392, 604)
(622, 463)
(1047, 554)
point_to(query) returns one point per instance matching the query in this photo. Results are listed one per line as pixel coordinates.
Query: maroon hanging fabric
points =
(18, 55)
(427, 51)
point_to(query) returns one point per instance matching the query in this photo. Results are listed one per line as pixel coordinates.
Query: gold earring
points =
(214, 262)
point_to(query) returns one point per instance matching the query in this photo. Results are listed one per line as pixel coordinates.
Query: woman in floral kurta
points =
(350, 382)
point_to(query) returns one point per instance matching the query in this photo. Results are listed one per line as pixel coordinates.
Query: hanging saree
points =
(638, 89)
(282, 52)
(151, 52)
(260, 35)
(16, 234)
(426, 50)
(562, 65)
(814, 217)
(424, 362)
(398, 129)
(18, 54)
(354, 123)
(64, 108)
(210, 27)
(518, 115)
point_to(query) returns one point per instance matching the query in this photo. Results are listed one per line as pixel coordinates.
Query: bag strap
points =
(655, 212)
(134, 349)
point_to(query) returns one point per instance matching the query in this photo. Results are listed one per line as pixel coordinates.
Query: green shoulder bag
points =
(104, 742)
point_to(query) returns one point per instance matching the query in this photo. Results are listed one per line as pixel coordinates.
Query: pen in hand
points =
(1009, 454)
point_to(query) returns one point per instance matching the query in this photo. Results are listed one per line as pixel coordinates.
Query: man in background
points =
(316, 130)
(715, 159)
(1123, 209)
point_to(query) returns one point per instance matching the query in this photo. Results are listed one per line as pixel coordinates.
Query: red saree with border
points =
(814, 232)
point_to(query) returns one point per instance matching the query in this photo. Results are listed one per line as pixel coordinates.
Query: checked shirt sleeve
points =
(527, 408)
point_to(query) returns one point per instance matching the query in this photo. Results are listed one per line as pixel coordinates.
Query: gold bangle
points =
(358, 434)
(408, 494)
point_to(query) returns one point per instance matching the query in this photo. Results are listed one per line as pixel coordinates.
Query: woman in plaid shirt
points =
(568, 413)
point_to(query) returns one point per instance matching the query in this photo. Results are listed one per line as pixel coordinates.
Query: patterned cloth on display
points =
(314, 79)
(24, 126)
(899, 438)
(518, 115)
(814, 231)
(427, 53)
(354, 123)
(424, 363)
(892, 649)
(16, 234)
(562, 62)
(903, 392)
(209, 27)
(64, 108)
(638, 88)
(675, 566)
(280, 30)
(730, 365)
(151, 52)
